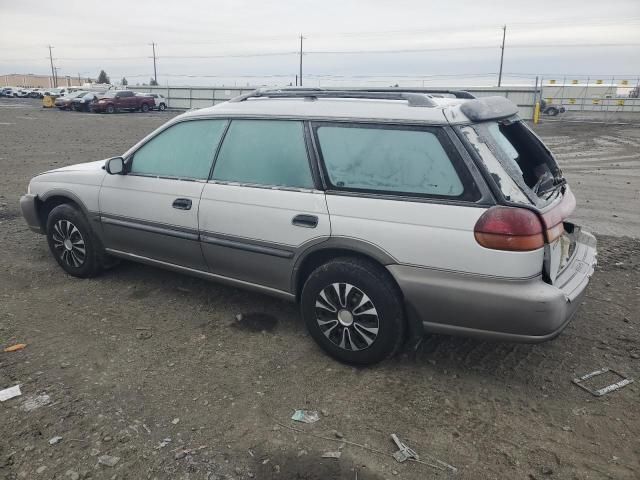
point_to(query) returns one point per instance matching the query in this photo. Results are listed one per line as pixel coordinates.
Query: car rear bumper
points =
(30, 212)
(527, 310)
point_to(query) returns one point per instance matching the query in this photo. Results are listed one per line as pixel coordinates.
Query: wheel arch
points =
(50, 200)
(334, 247)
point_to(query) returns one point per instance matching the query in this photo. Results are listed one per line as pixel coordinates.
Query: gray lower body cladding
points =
(30, 212)
(527, 310)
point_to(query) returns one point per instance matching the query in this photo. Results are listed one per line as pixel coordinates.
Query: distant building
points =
(35, 81)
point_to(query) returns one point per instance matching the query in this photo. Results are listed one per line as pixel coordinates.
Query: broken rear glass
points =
(520, 164)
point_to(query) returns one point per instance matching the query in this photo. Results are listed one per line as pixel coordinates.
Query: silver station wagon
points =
(386, 215)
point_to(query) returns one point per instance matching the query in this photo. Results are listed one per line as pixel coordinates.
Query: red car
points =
(114, 101)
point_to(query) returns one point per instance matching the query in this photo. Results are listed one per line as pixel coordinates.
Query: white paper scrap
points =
(10, 392)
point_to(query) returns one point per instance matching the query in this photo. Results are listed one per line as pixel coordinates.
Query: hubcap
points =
(68, 243)
(347, 316)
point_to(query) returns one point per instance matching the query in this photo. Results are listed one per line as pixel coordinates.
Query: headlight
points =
(102, 101)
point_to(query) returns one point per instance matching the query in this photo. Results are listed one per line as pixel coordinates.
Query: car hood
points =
(80, 167)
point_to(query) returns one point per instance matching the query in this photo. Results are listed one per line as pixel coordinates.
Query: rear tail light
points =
(509, 228)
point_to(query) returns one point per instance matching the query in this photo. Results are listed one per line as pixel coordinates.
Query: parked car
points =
(83, 102)
(6, 92)
(382, 219)
(160, 102)
(66, 102)
(116, 100)
(551, 109)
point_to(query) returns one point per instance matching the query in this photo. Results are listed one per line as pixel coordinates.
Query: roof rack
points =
(427, 91)
(414, 99)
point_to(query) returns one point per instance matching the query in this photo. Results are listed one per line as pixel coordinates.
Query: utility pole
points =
(155, 71)
(301, 39)
(55, 77)
(53, 73)
(504, 34)
(79, 81)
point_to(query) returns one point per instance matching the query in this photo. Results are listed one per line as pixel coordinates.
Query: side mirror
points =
(115, 166)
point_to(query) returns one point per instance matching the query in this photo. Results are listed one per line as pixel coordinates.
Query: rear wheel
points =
(73, 243)
(162, 107)
(353, 310)
(144, 107)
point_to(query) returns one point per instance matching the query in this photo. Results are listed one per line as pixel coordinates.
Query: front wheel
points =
(72, 242)
(111, 109)
(354, 311)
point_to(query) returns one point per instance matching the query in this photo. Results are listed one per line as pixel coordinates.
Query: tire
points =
(68, 232)
(144, 107)
(111, 109)
(368, 332)
(553, 111)
(162, 107)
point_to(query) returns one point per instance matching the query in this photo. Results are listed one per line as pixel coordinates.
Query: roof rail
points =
(427, 91)
(414, 99)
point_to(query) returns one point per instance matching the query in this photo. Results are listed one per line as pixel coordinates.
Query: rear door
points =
(409, 191)
(261, 206)
(152, 210)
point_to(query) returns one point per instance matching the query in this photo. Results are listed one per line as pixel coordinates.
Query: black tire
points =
(66, 222)
(144, 107)
(162, 107)
(111, 109)
(365, 279)
(553, 111)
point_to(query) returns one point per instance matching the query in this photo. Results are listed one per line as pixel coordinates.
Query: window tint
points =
(389, 160)
(184, 150)
(265, 152)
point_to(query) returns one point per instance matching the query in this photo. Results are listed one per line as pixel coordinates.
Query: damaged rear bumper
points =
(517, 310)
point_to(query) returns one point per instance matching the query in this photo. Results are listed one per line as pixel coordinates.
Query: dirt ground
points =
(152, 367)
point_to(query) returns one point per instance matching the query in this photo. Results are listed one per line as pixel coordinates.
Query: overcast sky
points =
(254, 41)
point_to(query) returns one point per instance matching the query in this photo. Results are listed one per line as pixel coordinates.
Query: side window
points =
(390, 160)
(184, 150)
(264, 152)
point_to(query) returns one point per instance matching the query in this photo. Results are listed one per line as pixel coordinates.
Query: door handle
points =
(307, 221)
(182, 204)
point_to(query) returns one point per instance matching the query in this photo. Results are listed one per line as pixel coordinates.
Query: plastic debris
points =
(108, 460)
(163, 443)
(331, 454)
(9, 393)
(404, 452)
(16, 347)
(33, 403)
(579, 381)
(305, 416)
(54, 440)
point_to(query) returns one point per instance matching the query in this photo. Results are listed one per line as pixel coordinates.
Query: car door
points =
(261, 207)
(152, 210)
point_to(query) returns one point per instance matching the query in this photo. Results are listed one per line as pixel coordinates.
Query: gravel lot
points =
(153, 368)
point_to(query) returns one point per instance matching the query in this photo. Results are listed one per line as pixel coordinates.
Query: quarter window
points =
(184, 150)
(391, 160)
(264, 152)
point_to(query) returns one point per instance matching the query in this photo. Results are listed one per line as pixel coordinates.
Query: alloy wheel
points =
(69, 243)
(347, 316)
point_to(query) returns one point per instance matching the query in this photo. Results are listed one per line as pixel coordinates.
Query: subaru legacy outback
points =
(386, 215)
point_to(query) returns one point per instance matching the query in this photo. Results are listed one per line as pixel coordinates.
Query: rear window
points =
(520, 164)
(387, 159)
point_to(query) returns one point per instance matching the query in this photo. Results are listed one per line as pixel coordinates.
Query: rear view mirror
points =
(115, 166)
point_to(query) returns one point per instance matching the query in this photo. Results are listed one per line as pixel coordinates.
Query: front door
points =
(261, 207)
(152, 210)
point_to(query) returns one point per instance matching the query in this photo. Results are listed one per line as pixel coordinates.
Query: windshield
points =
(520, 164)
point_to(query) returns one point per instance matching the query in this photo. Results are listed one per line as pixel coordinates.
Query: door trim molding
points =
(202, 274)
(249, 247)
(162, 229)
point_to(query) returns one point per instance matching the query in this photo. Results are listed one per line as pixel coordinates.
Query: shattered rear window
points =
(520, 164)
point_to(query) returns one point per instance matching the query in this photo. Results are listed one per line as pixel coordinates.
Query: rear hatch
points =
(526, 174)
